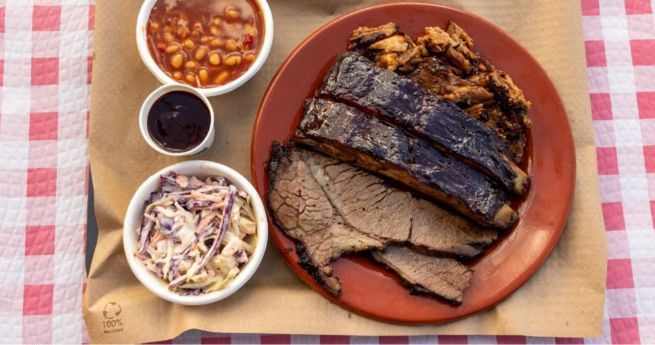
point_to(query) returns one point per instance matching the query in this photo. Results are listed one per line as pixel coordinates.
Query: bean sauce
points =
(205, 43)
(179, 121)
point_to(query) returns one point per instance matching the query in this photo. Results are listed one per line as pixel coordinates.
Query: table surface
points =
(45, 71)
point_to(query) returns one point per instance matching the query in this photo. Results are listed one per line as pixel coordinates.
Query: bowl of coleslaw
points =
(195, 232)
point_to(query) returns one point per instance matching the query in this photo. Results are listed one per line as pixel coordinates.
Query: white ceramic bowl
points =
(142, 45)
(133, 220)
(154, 96)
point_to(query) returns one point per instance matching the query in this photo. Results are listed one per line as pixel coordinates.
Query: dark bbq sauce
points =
(178, 121)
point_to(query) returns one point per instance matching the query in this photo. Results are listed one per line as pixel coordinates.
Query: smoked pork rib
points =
(353, 79)
(348, 134)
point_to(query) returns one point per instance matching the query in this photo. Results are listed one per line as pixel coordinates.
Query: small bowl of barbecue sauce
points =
(177, 120)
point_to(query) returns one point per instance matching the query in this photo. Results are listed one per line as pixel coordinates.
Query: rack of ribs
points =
(355, 80)
(351, 135)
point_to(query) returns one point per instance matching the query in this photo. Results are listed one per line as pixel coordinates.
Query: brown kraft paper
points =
(564, 298)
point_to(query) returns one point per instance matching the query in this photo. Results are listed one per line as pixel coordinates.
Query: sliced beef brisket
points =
(444, 277)
(332, 208)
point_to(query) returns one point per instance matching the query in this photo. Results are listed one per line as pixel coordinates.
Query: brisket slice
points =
(373, 207)
(443, 277)
(350, 135)
(437, 231)
(302, 209)
(331, 208)
(399, 100)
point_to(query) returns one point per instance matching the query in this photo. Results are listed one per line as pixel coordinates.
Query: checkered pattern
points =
(620, 46)
(44, 81)
(44, 76)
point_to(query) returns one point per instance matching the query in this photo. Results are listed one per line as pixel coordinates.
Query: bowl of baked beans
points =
(214, 46)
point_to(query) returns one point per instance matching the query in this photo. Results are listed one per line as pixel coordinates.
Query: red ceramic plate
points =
(367, 288)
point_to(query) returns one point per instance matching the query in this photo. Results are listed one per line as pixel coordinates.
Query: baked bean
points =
(215, 30)
(249, 57)
(199, 46)
(172, 48)
(188, 44)
(168, 37)
(190, 78)
(222, 77)
(203, 75)
(154, 27)
(214, 59)
(231, 45)
(232, 60)
(177, 60)
(216, 43)
(232, 13)
(201, 52)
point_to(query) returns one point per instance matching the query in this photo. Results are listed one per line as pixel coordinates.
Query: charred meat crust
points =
(416, 289)
(479, 246)
(348, 134)
(441, 277)
(363, 37)
(278, 152)
(306, 263)
(354, 80)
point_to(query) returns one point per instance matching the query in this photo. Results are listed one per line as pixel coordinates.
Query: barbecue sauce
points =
(178, 121)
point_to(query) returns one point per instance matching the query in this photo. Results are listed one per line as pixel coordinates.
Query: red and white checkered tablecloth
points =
(45, 63)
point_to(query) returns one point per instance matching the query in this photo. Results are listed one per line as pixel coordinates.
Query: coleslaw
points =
(195, 234)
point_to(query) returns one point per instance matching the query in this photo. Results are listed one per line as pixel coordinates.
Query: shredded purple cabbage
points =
(196, 234)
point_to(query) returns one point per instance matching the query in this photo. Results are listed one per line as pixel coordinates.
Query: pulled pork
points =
(444, 62)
